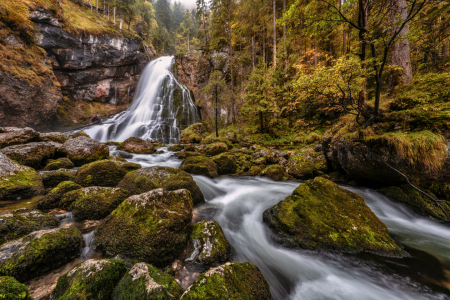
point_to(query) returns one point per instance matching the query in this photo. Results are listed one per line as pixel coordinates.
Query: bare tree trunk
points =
(188, 41)
(274, 33)
(97, 6)
(344, 43)
(362, 22)
(108, 10)
(316, 53)
(300, 36)
(233, 104)
(264, 45)
(284, 30)
(217, 116)
(253, 50)
(114, 13)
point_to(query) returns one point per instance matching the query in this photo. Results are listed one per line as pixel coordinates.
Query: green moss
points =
(176, 147)
(307, 164)
(53, 198)
(275, 172)
(214, 245)
(322, 215)
(200, 165)
(216, 148)
(192, 134)
(137, 145)
(24, 183)
(61, 163)
(254, 171)
(11, 289)
(226, 163)
(104, 173)
(53, 178)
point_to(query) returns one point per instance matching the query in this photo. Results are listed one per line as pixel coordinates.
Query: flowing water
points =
(161, 108)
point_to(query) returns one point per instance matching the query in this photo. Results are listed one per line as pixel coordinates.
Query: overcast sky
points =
(187, 3)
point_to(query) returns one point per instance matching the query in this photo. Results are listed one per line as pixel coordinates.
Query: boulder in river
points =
(105, 172)
(23, 221)
(231, 281)
(39, 252)
(152, 227)
(11, 289)
(145, 282)
(321, 215)
(226, 163)
(53, 198)
(200, 165)
(216, 148)
(15, 136)
(137, 145)
(275, 172)
(32, 154)
(93, 279)
(60, 163)
(18, 181)
(192, 134)
(306, 164)
(176, 147)
(170, 179)
(55, 177)
(59, 137)
(83, 150)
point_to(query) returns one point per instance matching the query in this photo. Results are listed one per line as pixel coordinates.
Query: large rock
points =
(152, 227)
(59, 137)
(10, 136)
(39, 252)
(200, 165)
(18, 181)
(170, 179)
(104, 172)
(192, 134)
(94, 279)
(226, 163)
(322, 215)
(83, 150)
(229, 281)
(275, 172)
(93, 203)
(21, 222)
(32, 154)
(53, 198)
(306, 164)
(55, 177)
(207, 244)
(137, 145)
(146, 282)
(60, 163)
(216, 149)
(11, 289)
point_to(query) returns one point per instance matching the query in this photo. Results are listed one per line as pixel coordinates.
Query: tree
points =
(163, 14)
(187, 26)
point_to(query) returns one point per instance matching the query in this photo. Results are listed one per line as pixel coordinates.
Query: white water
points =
(88, 250)
(161, 107)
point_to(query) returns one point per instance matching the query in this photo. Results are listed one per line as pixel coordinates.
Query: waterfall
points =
(161, 108)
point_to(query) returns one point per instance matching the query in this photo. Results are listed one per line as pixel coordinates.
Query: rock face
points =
(39, 252)
(55, 177)
(307, 164)
(152, 227)
(10, 136)
(137, 145)
(322, 215)
(275, 172)
(170, 179)
(53, 198)
(11, 289)
(146, 282)
(92, 279)
(200, 165)
(32, 154)
(229, 281)
(226, 164)
(104, 172)
(83, 150)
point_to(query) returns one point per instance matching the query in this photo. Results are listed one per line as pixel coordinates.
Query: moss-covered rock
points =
(170, 179)
(184, 154)
(32, 154)
(94, 279)
(200, 165)
(192, 134)
(59, 137)
(207, 244)
(152, 227)
(322, 215)
(275, 172)
(254, 171)
(10, 136)
(22, 221)
(176, 147)
(53, 198)
(18, 181)
(306, 164)
(93, 203)
(60, 163)
(83, 150)
(137, 145)
(216, 148)
(229, 281)
(55, 177)
(226, 163)
(104, 172)
(145, 282)
(11, 289)
(39, 252)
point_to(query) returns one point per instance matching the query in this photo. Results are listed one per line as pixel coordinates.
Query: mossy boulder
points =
(60, 163)
(33, 154)
(18, 181)
(10, 136)
(59, 137)
(322, 215)
(145, 282)
(176, 147)
(170, 179)
(22, 221)
(11, 289)
(275, 172)
(93, 279)
(184, 154)
(152, 227)
(216, 148)
(229, 281)
(53, 198)
(226, 163)
(306, 164)
(200, 165)
(207, 244)
(192, 134)
(39, 252)
(55, 177)
(93, 203)
(104, 172)
(83, 150)
(137, 145)
(254, 171)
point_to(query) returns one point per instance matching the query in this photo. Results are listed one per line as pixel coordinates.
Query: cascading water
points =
(161, 108)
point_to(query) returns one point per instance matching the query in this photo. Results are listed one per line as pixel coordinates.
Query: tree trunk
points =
(284, 31)
(233, 112)
(96, 7)
(108, 10)
(217, 130)
(344, 43)
(114, 13)
(274, 33)
(188, 40)
(264, 45)
(316, 53)
(261, 121)
(362, 22)
(253, 50)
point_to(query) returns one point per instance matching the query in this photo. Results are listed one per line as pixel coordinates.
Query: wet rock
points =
(226, 163)
(184, 154)
(170, 179)
(53, 198)
(55, 177)
(59, 137)
(18, 181)
(200, 165)
(92, 279)
(254, 171)
(104, 172)
(275, 172)
(152, 227)
(146, 282)
(39, 252)
(11, 289)
(10, 136)
(306, 164)
(207, 244)
(21, 222)
(192, 134)
(32, 154)
(60, 163)
(137, 145)
(216, 148)
(93, 203)
(322, 215)
(229, 281)
(83, 150)
(122, 154)
(176, 147)
(88, 225)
